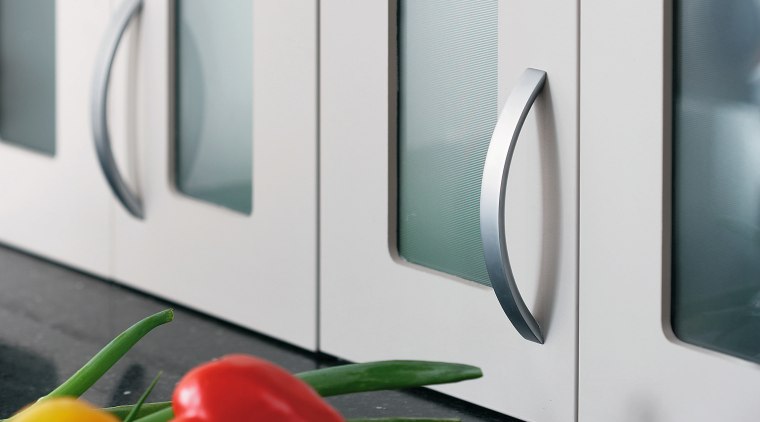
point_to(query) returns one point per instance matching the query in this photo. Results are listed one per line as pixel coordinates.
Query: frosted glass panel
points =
(214, 77)
(447, 112)
(716, 203)
(27, 74)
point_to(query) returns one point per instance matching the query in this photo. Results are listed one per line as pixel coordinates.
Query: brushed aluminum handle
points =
(99, 102)
(492, 202)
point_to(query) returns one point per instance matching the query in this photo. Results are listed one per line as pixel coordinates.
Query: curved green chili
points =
(86, 376)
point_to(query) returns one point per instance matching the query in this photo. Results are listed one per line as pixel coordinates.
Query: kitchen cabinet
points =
(53, 202)
(334, 174)
(669, 182)
(214, 117)
(139, 144)
(410, 95)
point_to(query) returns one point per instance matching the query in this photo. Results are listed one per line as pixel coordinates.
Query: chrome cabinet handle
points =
(99, 102)
(492, 192)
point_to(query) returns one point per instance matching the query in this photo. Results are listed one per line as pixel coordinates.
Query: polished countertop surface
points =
(54, 319)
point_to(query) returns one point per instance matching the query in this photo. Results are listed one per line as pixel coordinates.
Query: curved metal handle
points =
(492, 192)
(99, 102)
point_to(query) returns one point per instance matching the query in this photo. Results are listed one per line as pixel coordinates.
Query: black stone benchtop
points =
(53, 319)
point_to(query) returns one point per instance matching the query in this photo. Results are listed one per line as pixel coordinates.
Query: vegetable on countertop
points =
(85, 377)
(135, 412)
(357, 378)
(121, 412)
(243, 387)
(239, 388)
(386, 375)
(63, 410)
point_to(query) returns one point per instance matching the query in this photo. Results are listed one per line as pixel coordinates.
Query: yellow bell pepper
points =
(63, 410)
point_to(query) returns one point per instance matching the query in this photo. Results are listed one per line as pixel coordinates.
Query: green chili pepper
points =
(85, 377)
(386, 375)
(403, 420)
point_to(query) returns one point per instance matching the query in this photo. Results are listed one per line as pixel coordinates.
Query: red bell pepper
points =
(239, 388)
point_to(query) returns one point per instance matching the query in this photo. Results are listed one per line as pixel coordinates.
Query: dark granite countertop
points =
(54, 319)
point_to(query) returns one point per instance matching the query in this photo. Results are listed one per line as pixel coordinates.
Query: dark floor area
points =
(53, 319)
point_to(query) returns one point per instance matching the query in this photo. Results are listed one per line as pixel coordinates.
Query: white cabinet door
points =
(670, 152)
(404, 131)
(220, 135)
(54, 202)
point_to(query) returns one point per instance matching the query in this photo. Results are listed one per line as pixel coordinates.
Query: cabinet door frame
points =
(374, 305)
(257, 270)
(631, 365)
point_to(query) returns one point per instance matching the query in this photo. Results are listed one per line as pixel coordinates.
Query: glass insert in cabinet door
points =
(27, 74)
(716, 176)
(447, 110)
(213, 105)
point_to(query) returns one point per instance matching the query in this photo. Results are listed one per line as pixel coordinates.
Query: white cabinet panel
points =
(55, 203)
(632, 367)
(375, 304)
